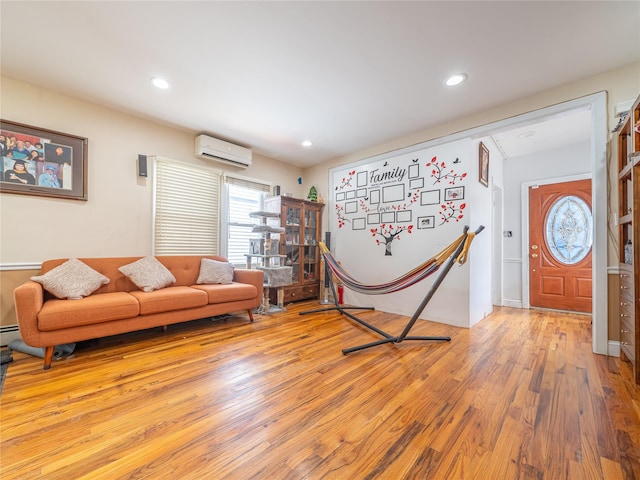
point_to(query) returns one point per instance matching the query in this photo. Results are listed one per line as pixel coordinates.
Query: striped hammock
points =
(410, 278)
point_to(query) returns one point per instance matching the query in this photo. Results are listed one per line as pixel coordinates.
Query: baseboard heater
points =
(8, 333)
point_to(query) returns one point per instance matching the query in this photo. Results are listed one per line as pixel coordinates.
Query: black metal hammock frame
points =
(456, 252)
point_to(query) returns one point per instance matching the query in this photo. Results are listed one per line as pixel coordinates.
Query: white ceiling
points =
(553, 132)
(345, 75)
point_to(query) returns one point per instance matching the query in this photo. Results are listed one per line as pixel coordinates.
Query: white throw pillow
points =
(72, 280)
(148, 274)
(213, 271)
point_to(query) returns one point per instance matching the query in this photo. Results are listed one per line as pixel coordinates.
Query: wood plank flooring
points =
(518, 396)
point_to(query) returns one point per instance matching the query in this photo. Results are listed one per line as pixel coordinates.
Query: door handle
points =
(534, 255)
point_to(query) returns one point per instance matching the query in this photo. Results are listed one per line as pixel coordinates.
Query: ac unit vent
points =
(211, 148)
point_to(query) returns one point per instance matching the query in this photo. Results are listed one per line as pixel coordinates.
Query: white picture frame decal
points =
(393, 193)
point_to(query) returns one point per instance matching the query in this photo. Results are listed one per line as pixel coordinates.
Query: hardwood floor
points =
(518, 396)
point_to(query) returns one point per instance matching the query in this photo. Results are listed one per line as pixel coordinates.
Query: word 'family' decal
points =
(391, 199)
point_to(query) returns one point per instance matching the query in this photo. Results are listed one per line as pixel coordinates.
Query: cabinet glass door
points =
(293, 255)
(311, 249)
(310, 264)
(292, 239)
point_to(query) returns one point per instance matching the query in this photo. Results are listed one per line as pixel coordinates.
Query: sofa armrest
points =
(253, 277)
(28, 299)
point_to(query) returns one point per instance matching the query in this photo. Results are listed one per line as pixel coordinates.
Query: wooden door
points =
(560, 233)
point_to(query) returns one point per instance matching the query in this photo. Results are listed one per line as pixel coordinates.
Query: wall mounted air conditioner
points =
(211, 148)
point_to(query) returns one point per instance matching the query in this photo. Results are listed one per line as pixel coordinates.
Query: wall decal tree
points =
(439, 173)
(346, 181)
(340, 214)
(389, 234)
(450, 211)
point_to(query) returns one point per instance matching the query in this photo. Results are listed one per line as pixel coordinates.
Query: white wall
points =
(481, 276)
(564, 162)
(116, 219)
(464, 297)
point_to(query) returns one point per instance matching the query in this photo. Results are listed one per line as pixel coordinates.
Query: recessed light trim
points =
(159, 82)
(456, 79)
(307, 143)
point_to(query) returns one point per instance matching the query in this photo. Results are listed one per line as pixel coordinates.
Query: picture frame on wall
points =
(453, 194)
(41, 162)
(483, 165)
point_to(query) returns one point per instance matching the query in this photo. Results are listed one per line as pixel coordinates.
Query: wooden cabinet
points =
(302, 221)
(629, 237)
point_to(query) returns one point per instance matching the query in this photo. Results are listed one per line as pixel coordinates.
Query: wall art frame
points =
(42, 162)
(483, 165)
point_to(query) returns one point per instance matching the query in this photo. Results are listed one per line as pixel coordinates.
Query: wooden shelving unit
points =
(629, 237)
(302, 221)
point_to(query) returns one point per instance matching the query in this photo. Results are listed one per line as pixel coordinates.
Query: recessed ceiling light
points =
(159, 82)
(307, 143)
(456, 79)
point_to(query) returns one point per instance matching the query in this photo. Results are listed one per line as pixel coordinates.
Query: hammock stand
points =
(456, 252)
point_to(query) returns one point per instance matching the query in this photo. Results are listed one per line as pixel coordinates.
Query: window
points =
(569, 229)
(187, 214)
(241, 197)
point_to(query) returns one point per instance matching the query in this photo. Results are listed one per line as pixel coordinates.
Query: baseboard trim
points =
(613, 348)
(512, 303)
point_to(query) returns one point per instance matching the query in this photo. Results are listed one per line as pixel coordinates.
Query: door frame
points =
(597, 104)
(524, 193)
(497, 244)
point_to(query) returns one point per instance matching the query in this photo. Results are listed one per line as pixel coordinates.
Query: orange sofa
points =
(120, 306)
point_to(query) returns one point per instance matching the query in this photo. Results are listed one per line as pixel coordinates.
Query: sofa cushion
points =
(105, 307)
(213, 271)
(73, 280)
(148, 274)
(233, 292)
(169, 299)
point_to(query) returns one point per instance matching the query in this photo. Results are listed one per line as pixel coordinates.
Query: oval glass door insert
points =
(569, 229)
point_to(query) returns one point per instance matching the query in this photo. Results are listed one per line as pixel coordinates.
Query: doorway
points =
(560, 240)
(597, 105)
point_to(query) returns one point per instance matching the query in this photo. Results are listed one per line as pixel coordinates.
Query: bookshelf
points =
(629, 237)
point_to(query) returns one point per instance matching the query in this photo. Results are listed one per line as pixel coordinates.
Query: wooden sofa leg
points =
(48, 357)
(250, 314)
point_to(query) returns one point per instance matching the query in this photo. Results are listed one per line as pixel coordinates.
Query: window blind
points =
(187, 212)
(247, 183)
(243, 197)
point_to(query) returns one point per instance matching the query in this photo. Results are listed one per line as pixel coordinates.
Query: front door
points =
(560, 235)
